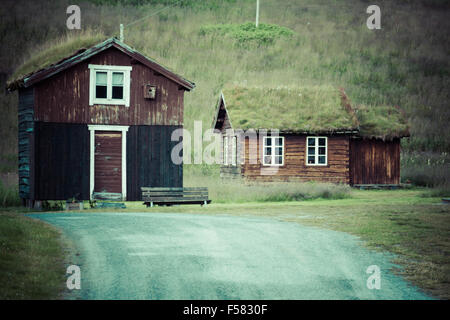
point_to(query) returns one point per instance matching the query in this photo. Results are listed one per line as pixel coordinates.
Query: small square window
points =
(109, 85)
(316, 151)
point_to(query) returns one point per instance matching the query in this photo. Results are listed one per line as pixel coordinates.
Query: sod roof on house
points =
(308, 109)
(311, 109)
(65, 54)
(384, 122)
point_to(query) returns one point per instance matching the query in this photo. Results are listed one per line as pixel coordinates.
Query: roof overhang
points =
(84, 54)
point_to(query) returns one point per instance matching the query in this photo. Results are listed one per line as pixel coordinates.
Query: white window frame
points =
(126, 70)
(225, 150)
(273, 155)
(316, 151)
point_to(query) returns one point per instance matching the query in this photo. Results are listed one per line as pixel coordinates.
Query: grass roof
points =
(312, 109)
(384, 122)
(56, 51)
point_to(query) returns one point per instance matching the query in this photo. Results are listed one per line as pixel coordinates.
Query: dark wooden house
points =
(98, 123)
(321, 136)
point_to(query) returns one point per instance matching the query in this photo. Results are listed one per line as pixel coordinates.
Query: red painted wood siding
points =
(64, 98)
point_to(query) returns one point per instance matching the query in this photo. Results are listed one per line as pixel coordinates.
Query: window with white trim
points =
(109, 85)
(316, 151)
(225, 150)
(273, 151)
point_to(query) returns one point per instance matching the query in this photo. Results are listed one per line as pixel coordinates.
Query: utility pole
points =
(121, 33)
(257, 12)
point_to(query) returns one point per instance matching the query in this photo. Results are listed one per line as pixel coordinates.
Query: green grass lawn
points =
(31, 258)
(409, 223)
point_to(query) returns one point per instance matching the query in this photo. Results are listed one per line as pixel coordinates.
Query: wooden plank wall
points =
(295, 168)
(375, 161)
(61, 161)
(149, 162)
(26, 134)
(64, 98)
(108, 162)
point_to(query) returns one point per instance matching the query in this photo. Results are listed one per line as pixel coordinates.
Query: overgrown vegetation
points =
(31, 265)
(57, 50)
(235, 191)
(310, 108)
(9, 195)
(382, 122)
(427, 169)
(248, 33)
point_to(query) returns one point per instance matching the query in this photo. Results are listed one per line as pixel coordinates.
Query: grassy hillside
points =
(405, 63)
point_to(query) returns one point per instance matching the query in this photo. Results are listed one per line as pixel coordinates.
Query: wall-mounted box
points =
(149, 91)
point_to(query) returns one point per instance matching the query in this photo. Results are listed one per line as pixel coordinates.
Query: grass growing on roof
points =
(310, 108)
(383, 122)
(54, 52)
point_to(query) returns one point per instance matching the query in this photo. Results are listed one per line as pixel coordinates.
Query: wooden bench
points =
(169, 196)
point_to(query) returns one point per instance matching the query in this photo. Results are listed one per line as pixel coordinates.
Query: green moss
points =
(54, 52)
(383, 122)
(307, 109)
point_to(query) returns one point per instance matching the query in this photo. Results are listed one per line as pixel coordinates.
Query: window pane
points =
(311, 141)
(311, 151)
(101, 78)
(268, 141)
(279, 160)
(279, 141)
(267, 160)
(267, 151)
(100, 92)
(311, 159)
(322, 159)
(117, 92)
(278, 151)
(117, 79)
(322, 150)
(322, 141)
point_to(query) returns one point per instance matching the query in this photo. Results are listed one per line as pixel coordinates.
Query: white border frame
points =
(93, 68)
(273, 155)
(124, 130)
(316, 153)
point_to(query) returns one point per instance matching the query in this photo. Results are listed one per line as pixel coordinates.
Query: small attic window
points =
(109, 85)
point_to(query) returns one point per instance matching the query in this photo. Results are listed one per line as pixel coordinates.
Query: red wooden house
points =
(98, 124)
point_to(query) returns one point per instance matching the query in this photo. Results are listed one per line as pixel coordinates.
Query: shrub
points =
(9, 196)
(248, 32)
(426, 169)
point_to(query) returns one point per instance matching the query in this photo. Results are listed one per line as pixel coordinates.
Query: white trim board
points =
(123, 129)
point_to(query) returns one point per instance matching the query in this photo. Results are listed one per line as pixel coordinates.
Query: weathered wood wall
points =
(61, 161)
(295, 168)
(26, 135)
(149, 162)
(64, 98)
(374, 161)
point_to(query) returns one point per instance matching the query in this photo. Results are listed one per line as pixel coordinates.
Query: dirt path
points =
(184, 256)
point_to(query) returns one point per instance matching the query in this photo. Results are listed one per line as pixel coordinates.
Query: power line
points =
(154, 13)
